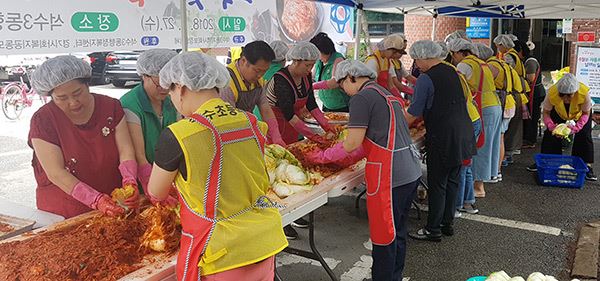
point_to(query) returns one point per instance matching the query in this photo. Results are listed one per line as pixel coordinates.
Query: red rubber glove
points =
(170, 201)
(395, 92)
(108, 207)
(407, 90)
(274, 134)
(320, 117)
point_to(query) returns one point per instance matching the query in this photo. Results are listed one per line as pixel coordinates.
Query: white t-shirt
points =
(372, 64)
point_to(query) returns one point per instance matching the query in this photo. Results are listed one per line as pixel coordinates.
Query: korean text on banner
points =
(588, 69)
(59, 26)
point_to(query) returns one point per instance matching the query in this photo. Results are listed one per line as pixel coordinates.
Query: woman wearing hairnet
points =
(280, 48)
(378, 126)
(290, 93)
(504, 89)
(148, 110)
(569, 102)
(440, 99)
(333, 98)
(483, 88)
(203, 155)
(465, 198)
(513, 138)
(73, 137)
(392, 46)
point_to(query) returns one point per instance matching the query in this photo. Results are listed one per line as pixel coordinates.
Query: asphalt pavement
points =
(522, 227)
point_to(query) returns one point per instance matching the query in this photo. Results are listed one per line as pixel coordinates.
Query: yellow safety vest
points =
(471, 107)
(504, 72)
(243, 234)
(382, 63)
(235, 53)
(237, 84)
(520, 69)
(488, 89)
(577, 101)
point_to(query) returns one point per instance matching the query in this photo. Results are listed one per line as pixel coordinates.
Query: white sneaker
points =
(457, 214)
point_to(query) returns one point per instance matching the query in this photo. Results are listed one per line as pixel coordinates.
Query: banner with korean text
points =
(60, 26)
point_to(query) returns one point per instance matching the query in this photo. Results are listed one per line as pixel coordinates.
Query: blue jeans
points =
(466, 191)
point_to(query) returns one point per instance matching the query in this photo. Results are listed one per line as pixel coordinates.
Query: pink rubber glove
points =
(128, 169)
(321, 85)
(95, 200)
(274, 133)
(86, 194)
(395, 92)
(407, 90)
(143, 175)
(336, 154)
(320, 117)
(580, 123)
(129, 172)
(549, 123)
(169, 201)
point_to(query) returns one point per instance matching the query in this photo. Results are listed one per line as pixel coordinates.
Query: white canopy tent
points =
(520, 9)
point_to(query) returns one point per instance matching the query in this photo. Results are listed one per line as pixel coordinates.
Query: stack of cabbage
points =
(285, 172)
(536, 276)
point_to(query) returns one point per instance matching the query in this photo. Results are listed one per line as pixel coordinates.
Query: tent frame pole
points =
(184, 26)
(434, 27)
(357, 32)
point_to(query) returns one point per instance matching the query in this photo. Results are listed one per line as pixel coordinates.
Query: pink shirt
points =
(89, 151)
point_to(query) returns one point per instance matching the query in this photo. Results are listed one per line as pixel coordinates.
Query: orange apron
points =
(378, 178)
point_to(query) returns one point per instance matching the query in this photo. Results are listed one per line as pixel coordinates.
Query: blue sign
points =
(150, 41)
(479, 28)
(239, 39)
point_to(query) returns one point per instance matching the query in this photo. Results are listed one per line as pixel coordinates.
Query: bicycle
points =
(17, 96)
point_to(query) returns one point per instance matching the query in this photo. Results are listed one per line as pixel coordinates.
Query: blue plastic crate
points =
(550, 174)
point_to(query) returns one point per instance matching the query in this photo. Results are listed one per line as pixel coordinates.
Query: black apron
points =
(583, 145)
(449, 128)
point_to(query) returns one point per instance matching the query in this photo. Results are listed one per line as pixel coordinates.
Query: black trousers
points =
(388, 261)
(343, 109)
(583, 145)
(530, 126)
(443, 187)
(513, 138)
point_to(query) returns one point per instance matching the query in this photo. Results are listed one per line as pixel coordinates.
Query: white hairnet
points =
(425, 49)
(445, 51)
(303, 51)
(57, 71)
(504, 40)
(485, 52)
(568, 84)
(392, 41)
(353, 68)
(459, 34)
(280, 48)
(196, 71)
(152, 61)
(513, 37)
(461, 45)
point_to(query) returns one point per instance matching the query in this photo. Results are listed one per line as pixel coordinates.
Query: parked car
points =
(121, 67)
(98, 62)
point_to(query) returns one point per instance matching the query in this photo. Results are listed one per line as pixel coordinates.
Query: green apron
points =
(137, 101)
(332, 98)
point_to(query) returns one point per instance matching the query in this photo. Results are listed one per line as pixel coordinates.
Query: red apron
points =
(288, 133)
(478, 100)
(378, 178)
(383, 77)
(197, 229)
